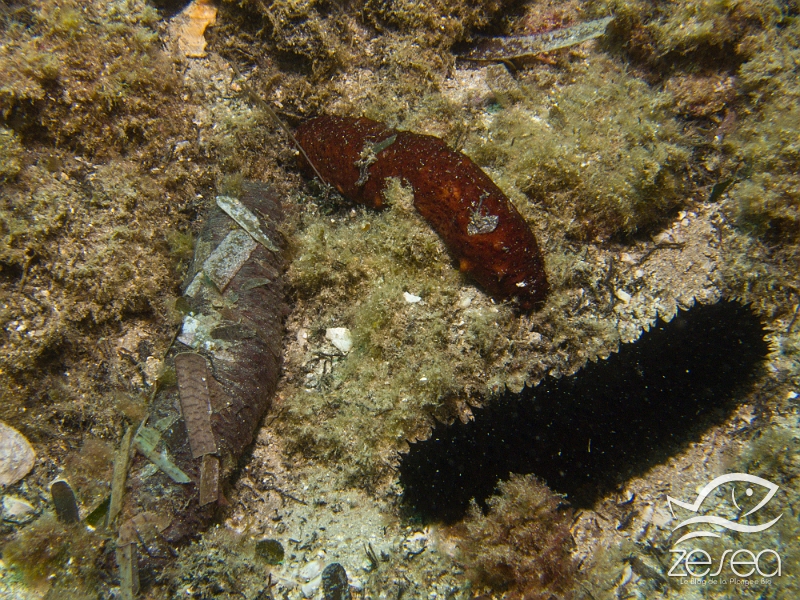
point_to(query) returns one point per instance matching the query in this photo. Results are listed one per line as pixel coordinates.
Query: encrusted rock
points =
(334, 583)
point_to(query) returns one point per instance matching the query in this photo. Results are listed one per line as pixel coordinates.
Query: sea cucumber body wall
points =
(480, 226)
(225, 364)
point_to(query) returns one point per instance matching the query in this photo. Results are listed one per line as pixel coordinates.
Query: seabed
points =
(657, 163)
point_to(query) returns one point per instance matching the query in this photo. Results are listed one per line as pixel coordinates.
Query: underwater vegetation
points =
(765, 188)
(656, 166)
(603, 151)
(104, 102)
(95, 202)
(10, 154)
(323, 35)
(522, 545)
(587, 433)
(49, 547)
(698, 35)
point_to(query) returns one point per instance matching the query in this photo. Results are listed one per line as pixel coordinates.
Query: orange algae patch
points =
(191, 26)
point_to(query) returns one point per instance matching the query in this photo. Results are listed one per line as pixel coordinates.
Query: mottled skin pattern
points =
(240, 387)
(450, 192)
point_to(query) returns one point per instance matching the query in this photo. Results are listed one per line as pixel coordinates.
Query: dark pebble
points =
(270, 550)
(334, 583)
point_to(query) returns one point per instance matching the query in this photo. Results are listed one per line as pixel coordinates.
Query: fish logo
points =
(721, 521)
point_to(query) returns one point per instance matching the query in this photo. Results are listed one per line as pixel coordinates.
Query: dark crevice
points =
(170, 8)
(10, 272)
(587, 434)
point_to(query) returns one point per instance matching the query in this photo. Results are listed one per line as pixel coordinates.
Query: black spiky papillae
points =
(587, 434)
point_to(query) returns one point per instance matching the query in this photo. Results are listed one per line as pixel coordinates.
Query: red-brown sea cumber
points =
(481, 228)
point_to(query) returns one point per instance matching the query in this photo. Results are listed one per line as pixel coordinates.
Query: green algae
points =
(82, 242)
(604, 152)
(49, 547)
(766, 188)
(96, 257)
(323, 40)
(440, 22)
(706, 33)
(122, 82)
(11, 153)
(388, 332)
(763, 203)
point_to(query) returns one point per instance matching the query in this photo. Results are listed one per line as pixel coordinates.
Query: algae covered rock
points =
(604, 150)
(10, 154)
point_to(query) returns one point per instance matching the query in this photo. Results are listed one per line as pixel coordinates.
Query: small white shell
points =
(16, 455)
(310, 588)
(17, 510)
(340, 337)
(311, 570)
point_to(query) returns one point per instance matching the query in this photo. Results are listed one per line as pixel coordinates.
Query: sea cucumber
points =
(479, 225)
(612, 420)
(227, 361)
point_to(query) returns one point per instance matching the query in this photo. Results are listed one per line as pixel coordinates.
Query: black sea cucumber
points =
(480, 226)
(586, 433)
